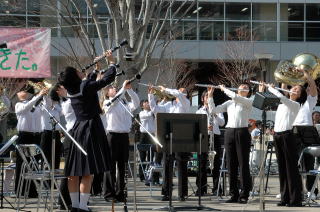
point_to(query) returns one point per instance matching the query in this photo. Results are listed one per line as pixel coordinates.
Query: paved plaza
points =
(145, 202)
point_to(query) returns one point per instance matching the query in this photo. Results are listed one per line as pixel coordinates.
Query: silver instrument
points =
(211, 152)
(215, 86)
(280, 89)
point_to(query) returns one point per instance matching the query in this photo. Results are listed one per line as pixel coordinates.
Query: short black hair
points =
(53, 93)
(249, 86)
(314, 112)
(204, 93)
(70, 80)
(142, 101)
(303, 96)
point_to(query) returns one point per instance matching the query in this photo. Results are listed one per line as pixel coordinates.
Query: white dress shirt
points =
(286, 112)
(181, 106)
(238, 109)
(118, 119)
(218, 120)
(28, 121)
(147, 120)
(54, 109)
(68, 113)
(304, 117)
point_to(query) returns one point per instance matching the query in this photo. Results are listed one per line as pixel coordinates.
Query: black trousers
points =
(26, 138)
(287, 155)
(119, 146)
(182, 163)
(216, 164)
(307, 136)
(46, 146)
(64, 182)
(237, 146)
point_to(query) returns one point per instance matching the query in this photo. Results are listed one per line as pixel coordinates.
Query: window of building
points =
(239, 31)
(264, 31)
(33, 7)
(264, 11)
(291, 12)
(313, 12)
(291, 31)
(211, 10)
(313, 32)
(17, 21)
(179, 13)
(210, 30)
(189, 30)
(238, 11)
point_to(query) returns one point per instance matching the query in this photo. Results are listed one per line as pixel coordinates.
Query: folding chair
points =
(36, 168)
(314, 151)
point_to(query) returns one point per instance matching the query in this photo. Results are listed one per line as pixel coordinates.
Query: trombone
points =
(215, 86)
(280, 89)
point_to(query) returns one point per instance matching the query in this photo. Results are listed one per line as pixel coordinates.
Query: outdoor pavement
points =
(145, 202)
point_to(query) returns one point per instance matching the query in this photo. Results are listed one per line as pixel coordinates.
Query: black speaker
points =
(264, 100)
(3, 46)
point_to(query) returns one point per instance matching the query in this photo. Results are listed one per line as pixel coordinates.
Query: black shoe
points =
(81, 210)
(165, 198)
(299, 204)
(182, 198)
(74, 209)
(232, 200)
(281, 203)
(242, 200)
(120, 198)
(203, 193)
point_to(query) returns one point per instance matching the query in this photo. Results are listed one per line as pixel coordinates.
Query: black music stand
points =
(182, 133)
(3, 150)
(263, 101)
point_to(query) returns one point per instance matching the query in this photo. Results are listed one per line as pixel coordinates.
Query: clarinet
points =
(125, 190)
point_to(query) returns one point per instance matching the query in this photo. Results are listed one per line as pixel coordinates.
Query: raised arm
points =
(134, 103)
(220, 119)
(284, 99)
(181, 96)
(22, 108)
(239, 99)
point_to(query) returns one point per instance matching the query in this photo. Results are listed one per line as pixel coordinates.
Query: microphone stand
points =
(55, 122)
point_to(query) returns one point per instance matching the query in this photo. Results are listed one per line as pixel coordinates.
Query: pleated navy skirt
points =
(91, 135)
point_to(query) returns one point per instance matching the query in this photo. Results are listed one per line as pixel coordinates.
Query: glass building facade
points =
(207, 20)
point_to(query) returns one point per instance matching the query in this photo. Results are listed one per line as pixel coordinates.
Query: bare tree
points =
(237, 68)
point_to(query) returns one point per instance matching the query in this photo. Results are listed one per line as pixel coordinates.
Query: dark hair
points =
(53, 93)
(303, 95)
(108, 88)
(70, 80)
(142, 101)
(314, 112)
(204, 93)
(249, 86)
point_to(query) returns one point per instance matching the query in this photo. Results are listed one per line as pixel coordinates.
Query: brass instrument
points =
(285, 73)
(38, 86)
(157, 92)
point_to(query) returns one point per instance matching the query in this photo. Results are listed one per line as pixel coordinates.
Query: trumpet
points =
(38, 86)
(280, 89)
(215, 86)
(157, 92)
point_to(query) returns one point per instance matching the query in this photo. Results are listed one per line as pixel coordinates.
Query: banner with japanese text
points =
(27, 54)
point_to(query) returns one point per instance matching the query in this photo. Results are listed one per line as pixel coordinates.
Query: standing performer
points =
(119, 123)
(88, 131)
(52, 104)
(29, 127)
(180, 105)
(305, 132)
(70, 119)
(286, 146)
(147, 119)
(214, 121)
(237, 139)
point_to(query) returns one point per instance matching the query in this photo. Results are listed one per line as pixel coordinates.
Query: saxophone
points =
(211, 152)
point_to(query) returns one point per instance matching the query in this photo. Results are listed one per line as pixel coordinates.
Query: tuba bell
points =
(285, 73)
(38, 86)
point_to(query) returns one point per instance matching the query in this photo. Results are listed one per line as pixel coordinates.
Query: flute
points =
(215, 86)
(280, 89)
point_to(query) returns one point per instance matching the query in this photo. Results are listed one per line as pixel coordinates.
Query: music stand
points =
(2, 151)
(263, 101)
(182, 133)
